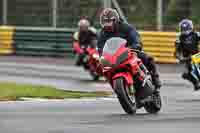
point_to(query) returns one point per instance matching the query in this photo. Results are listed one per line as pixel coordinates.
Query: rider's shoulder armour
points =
(76, 36)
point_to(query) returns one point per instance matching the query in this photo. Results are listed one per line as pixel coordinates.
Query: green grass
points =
(13, 91)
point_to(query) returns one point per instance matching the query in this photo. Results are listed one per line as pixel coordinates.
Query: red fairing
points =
(108, 57)
(77, 47)
(91, 51)
(135, 63)
(142, 74)
(92, 62)
(128, 69)
(113, 58)
(120, 51)
(126, 75)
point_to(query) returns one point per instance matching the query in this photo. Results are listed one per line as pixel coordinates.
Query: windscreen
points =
(113, 44)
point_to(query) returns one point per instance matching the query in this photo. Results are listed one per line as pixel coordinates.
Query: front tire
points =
(127, 102)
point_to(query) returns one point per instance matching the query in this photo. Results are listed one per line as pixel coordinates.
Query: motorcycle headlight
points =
(107, 68)
(96, 56)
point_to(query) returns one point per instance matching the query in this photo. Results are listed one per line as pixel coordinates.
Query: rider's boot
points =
(189, 77)
(156, 81)
(186, 76)
(197, 86)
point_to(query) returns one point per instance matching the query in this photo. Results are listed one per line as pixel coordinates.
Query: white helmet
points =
(83, 23)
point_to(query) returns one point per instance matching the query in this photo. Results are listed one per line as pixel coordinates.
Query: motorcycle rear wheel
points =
(155, 105)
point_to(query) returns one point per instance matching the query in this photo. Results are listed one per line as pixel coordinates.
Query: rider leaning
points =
(84, 37)
(187, 45)
(113, 26)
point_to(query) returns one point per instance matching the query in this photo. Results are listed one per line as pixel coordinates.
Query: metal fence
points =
(1, 12)
(160, 14)
(144, 14)
(48, 13)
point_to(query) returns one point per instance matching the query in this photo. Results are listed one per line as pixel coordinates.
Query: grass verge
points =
(13, 91)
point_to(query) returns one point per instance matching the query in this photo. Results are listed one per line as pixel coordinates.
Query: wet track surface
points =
(180, 112)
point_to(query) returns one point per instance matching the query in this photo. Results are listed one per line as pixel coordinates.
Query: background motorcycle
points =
(128, 77)
(195, 65)
(79, 54)
(93, 61)
(87, 57)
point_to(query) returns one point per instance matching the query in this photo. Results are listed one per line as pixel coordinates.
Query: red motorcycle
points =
(88, 58)
(128, 77)
(93, 61)
(79, 53)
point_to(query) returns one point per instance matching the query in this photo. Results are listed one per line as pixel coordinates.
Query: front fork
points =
(131, 89)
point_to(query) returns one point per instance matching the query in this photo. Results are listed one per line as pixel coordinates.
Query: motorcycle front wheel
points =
(127, 101)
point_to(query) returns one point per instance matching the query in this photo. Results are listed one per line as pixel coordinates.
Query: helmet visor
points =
(107, 22)
(185, 28)
(185, 31)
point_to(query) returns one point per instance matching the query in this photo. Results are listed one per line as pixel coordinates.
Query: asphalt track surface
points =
(180, 112)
